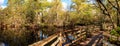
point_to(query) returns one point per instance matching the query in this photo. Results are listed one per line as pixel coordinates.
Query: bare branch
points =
(112, 4)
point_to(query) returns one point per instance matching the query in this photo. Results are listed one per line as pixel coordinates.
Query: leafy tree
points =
(17, 14)
(83, 11)
(111, 9)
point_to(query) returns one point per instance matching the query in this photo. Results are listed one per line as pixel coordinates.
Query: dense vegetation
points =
(22, 20)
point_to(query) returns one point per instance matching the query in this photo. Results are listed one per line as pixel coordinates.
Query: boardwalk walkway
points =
(79, 39)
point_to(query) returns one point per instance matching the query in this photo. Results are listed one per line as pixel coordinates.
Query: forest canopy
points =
(22, 20)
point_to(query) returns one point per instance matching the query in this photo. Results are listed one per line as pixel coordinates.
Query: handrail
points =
(44, 41)
(55, 43)
(77, 32)
(79, 36)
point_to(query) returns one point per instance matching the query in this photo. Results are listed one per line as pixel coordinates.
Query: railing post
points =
(61, 40)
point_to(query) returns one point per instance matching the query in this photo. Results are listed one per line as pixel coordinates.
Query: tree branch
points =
(100, 3)
(112, 4)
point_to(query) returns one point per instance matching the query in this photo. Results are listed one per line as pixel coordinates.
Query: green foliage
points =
(115, 32)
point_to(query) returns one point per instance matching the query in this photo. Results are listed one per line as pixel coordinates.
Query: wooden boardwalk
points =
(80, 39)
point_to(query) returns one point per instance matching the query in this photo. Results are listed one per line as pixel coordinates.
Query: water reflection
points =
(68, 41)
(71, 37)
(42, 35)
(3, 44)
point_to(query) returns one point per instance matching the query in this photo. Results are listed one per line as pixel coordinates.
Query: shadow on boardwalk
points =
(97, 38)
(95, 41)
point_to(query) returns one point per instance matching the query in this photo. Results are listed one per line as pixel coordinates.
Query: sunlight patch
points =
(49, 0)
(64, 5)
(1, 2)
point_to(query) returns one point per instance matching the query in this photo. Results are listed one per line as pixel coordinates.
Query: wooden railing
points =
(80, 34)
(45, 41)
(58, 38)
